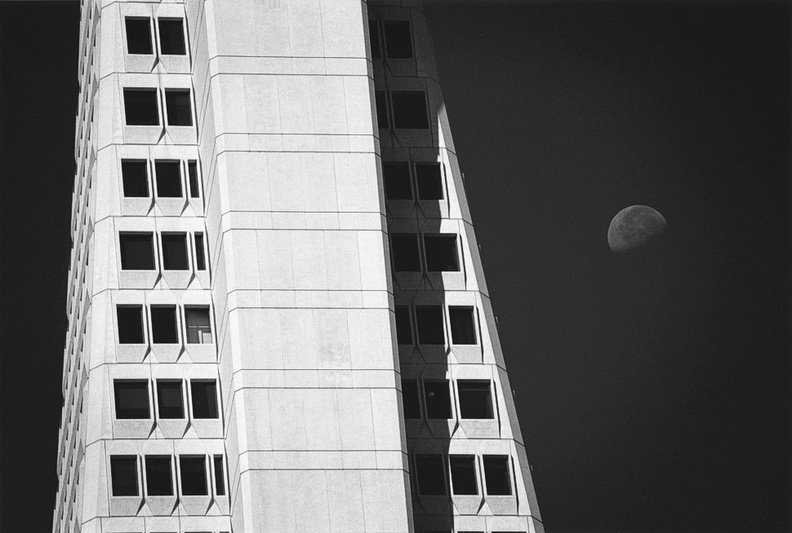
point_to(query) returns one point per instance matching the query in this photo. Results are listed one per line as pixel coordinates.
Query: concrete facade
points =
(278, 316)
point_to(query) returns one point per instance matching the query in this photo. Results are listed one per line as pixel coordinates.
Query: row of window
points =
(164, 320)
(429, 324)
(391, 39)
(402, 110)
(170, 36)
(138, 251)
(475, 399)
(168, 179)
(141, 107)
(439, 252)
(159, 475)
(430, 473)
(399, 183)
(132, 399)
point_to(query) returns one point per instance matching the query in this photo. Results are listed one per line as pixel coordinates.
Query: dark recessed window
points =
(405, 252)
(403, 329)
(193, 475)
(192, 172)
(140, 107)
(438, 399)
(430, 324)
(134, 175)
(163, 324)
(137, 251)
(463, 325)
(396, 176)
(430, 474)
(382, 109)
(204, 399)
(398, 40)
(219, 475)
(177, 103)
(171, 35)
(158, 475)
(169, 182)
(441, 253)
(174, 251)
(170, 399)
(496, 473)
(430, 181)
(138, 33)
(475, 399)
(199, 328)
(412, 406)
(123, 471)
(374, 37)
(200, 252)
(463, 474)
(130, 324)
(409, 110)
(131, 399)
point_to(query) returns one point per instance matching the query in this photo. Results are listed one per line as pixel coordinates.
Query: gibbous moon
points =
(634, 227)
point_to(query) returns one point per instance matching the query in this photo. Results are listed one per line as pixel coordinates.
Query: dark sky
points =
(653, 388)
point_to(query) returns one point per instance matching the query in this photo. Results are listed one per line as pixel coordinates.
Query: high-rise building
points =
(278, 319)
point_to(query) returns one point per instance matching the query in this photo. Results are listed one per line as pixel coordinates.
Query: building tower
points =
(278, 319)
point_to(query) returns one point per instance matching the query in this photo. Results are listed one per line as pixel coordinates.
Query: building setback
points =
(278, 319)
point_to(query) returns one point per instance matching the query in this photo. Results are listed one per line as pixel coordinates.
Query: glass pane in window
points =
(219, 475)
(140, 107)
(430, 324)
(137, 251)
(174, 251)
(463, 474)
(192, 171)
(403, 329)
(475, 399)
(123, 472)
(171, 34)
(463, 325)
(204, 399)
(177, 102)
(200, 253)
(193, 475)
(130, 324)
(138, 32)
(398, 41)
(131, 399)
(163, 325)
(396, 176)
(430, 181)
(199, 329)
(496, 473)
(134, 175)
(169, 182)
(409, 110)
(382, 109)
(170, 399)
(430, 474)
(405, 252)
(412, 406)
(438, 399)
(374, 37)
(158, 475)
(441, 253)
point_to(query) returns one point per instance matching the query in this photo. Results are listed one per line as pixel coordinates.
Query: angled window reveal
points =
(193, 475)
(137, 251)
(403, 328)
(431, 474)
(219, 475)
(475, 399)
(463, 474)
(438, 399)
(429, 319)
(140, 107)
(164, 328)
(171, 35)
(159, 480)
(123, 474)
(463, 324)
(405, 252)
(496, 473)
(204, 398)
(441, 253)
(170, 399)
(398, 39)
(409, 110)
(138, 34)
(178, 106)
(198, 322)
(174, 251)
(131, 399)
(396, 175)
(410, 401)
(130, 324)
(430, 181)
(134, 174)
(169, 179)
